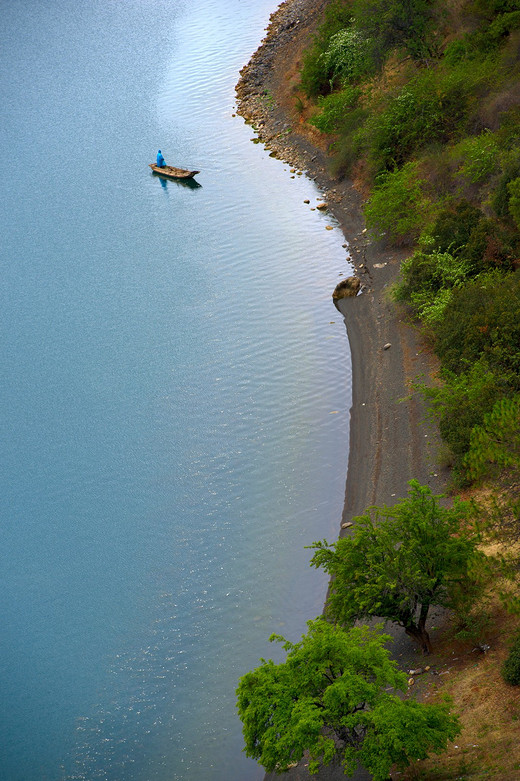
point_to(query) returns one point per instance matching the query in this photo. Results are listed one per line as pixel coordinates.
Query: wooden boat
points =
(172, 173)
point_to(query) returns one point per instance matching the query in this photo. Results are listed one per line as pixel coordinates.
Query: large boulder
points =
(347, 288)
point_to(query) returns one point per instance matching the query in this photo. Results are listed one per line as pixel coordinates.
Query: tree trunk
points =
(421, 636)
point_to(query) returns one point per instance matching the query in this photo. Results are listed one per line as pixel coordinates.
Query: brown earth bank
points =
(390, 440)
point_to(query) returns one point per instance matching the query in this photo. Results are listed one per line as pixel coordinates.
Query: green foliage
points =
(331, 697)
(338, 15)
(398, 206)
(490, 8)
(460, 87)
(511, 666)
(459, 50)
(355, 40)
(490, 246)
(461, 404)
(426, 281)
(495, 444)
(473, 626)
(479, 243)
(348, 146)
(347, 58)
(486, 39)
(437, 138)
(483, 320)
(513, 189)
(411, 120)
(336, 110)
(406, 24)
(453, 226)
(501, 195)
(432, 108)
(480, 157)
(431, 310)
(502, 25)
(314, 77)
(467, 243)
(402, 560)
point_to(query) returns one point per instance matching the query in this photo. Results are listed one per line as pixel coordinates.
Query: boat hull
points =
(170, 172)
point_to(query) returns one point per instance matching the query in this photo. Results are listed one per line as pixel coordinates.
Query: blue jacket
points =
(160, 159)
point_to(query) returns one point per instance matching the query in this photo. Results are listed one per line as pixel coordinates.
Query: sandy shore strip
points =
(390, 440)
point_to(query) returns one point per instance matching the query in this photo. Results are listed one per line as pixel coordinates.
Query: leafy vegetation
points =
(495, 444)
(400, 561)
(511, 666)
(334, 697)
(423, 100)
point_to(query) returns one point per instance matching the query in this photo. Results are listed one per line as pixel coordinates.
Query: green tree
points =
(461, 403)
(406, 24)
(330, 697)
(398, 207)
(495, 444)
(483, 319)
(402, 560)
(511, 666)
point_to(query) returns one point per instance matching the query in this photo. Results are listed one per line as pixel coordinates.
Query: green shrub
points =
(511, 666)
(453, 226)
(430, 307)
(335, 110)
(495, 443)
(483, 320)
(460, 405)
(338, 15)
(479, 157)
(398, 207)
(411, 120)
(488, 37)
(503, 25)
(510, 172)
(349, 146)
(314, 77)
(427, 273)
(426, 283)
(347, 58)
(490, 246)
(490, 8)
(513, 189)
(406, 24)
(355, 39)
(432, 108)
(481, 243)
(459, 50)
(460, 88)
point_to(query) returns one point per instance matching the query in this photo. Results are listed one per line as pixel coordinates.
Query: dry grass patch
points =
(489, 709)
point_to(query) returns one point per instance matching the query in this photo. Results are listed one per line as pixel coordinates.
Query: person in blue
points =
(160, 159)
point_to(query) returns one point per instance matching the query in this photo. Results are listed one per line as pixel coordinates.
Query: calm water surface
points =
(175, 392)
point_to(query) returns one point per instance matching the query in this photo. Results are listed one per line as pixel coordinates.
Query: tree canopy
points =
(402, 560)
(331, 697)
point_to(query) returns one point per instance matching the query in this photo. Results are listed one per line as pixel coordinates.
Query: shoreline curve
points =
(390, 440)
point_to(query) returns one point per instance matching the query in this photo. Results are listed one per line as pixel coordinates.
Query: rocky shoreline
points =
(390, 442)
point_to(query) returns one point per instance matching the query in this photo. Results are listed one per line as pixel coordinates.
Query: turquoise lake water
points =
(175, 392)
